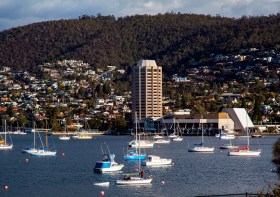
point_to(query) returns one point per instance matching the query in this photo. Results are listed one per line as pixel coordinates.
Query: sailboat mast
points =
(47, 145)
(202, 140)
(5, 129)
(247, 132)
(34, 134)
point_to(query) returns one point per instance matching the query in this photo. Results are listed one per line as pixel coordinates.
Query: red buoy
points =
(26, 160)
(6, 187)
(101, 193)
(62, 154)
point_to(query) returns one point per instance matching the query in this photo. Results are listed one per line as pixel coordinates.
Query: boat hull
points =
(244, 153)
(101, 167)
(134, 181)
(6, 146)
(44, 153)
(163, 162)
(134, 157)
(228, 147)
(178, 139)
(201, 149)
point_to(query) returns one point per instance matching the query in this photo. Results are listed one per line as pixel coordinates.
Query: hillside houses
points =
(225, 79)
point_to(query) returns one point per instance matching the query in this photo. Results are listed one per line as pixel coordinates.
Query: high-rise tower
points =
(147, 90)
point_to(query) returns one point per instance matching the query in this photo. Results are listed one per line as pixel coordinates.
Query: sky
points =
(14, 13)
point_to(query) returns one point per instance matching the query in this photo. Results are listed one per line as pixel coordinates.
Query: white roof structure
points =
(240, 117)
(146, 63)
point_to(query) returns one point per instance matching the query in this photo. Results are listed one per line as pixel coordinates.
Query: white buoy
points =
(162, 182)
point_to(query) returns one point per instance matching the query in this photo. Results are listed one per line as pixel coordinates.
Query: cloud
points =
(21, 12)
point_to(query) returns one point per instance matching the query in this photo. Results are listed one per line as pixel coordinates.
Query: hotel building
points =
(147, 90)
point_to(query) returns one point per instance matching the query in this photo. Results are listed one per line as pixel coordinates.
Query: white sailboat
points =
(134, 179)
(31, 149)
(200, 147)
(178, 137)
(5, 145)
(245, 151)
(64, 137)
(45, 150)
(137, 142)
(228, 146)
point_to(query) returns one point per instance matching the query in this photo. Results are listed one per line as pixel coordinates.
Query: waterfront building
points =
(147, 90)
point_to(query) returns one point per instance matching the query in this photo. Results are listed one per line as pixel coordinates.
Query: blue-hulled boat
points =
(107, 164)
(133, 155)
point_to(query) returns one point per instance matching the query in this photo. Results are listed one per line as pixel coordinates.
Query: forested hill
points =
(173, 40)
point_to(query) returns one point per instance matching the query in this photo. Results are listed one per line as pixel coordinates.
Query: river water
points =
(193, 174)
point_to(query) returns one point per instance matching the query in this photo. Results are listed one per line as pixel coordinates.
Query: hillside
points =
(173, 40)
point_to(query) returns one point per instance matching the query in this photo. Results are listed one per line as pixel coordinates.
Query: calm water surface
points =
(192, 174)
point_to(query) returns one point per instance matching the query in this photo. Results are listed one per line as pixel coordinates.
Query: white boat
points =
(226, 136)
(5, 145)
(102, 183)
(173, 135)
(228, 146)
(158, 136)
(82, 136)
(44, 153)
(31, 149)
(64, 137)
(45, 150)
(178, 139)
(200, 147)
(154, 160)
(141, 144)
(244, 151)
(134, 180)
(107, 164)
(19, 133)
(162, 141)
(138, 179)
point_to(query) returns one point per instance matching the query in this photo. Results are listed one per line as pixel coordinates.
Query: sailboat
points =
(178, 137)
(200, 147)
(228, 146)
(245, 151)
(144, 143)
(5, 145)
(31, 149)
(133, 154)
(134, 179)
(44, 151)
(64, 137)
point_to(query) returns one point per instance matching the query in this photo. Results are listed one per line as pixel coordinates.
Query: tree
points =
(120, 125)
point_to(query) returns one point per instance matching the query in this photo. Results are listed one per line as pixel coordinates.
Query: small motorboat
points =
(133, 155)
(107, 164)
(102, 183)
(154, 160)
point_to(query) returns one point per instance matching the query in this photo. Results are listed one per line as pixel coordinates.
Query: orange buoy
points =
(101, 193)
(5, 187)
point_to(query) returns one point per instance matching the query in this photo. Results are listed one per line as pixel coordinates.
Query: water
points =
(192, 174)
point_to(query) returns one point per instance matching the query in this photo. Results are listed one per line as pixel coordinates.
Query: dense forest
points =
(174, 40)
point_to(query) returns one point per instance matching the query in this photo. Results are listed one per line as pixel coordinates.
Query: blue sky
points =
(15, 13)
